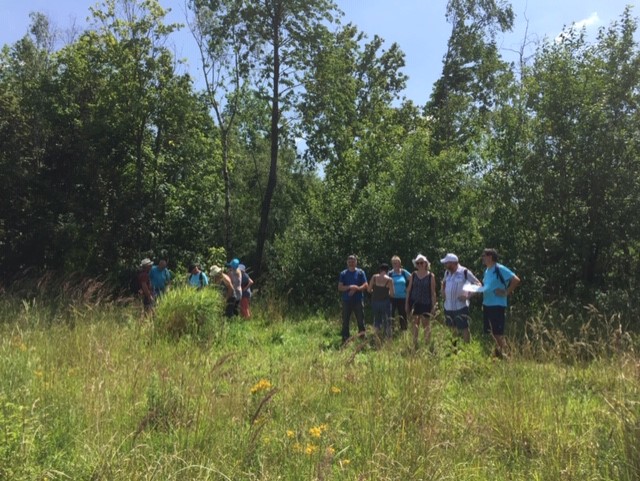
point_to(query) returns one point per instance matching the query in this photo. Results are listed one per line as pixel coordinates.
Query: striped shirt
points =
(453, 283)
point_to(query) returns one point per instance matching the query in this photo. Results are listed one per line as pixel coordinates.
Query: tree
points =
(220, 32)
(472, 72)
(283, 34)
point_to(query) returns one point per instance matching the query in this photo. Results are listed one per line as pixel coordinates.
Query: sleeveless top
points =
(380, 293)
(421, 288)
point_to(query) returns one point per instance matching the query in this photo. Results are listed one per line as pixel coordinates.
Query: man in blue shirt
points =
(197, 278)
(352, 283)
(499, 283)
(160, 278)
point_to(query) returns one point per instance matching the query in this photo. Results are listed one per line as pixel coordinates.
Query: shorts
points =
(494, 317)
(459, 318)
(420, 309)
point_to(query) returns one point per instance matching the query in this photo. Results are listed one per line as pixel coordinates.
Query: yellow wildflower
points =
(310, 449)
(335, 390)
(261, 385)
(297, 448)
(345, 462)
(317, 431)
(290, 433)
(23, 347)
(331, 451)
(38, 373)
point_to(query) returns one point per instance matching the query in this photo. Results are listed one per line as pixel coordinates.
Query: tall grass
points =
(95, 393)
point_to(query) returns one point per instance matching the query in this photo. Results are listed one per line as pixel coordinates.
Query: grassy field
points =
(97, 393)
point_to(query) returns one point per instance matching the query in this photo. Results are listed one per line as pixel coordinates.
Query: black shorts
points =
(494, 317)
(420, 309)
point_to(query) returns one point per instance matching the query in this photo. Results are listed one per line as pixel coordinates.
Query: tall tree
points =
(472, 71)
(220, 34)
(283, 34)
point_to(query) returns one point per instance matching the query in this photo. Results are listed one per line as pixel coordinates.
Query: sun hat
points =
(420, 257)
(145, 262)
(215, 270)
(242, 268)
(449, 258)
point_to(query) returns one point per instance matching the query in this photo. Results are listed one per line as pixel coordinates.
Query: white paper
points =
(472, 288)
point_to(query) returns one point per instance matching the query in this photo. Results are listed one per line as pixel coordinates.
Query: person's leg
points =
(386, 320)
(358, 308)
(377, 307)
(402, 311)
(497, 322)
(346, 318)
(426, 324)
(461, 321)
(244, 307)
(449, 320)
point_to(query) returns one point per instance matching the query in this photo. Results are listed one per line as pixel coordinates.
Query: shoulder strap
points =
(499, 275)
(466, 273)
(201, 279)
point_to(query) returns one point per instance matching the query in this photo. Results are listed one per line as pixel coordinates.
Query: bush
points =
(187, 311)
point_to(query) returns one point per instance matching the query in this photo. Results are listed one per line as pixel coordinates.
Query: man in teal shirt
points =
(499, 283)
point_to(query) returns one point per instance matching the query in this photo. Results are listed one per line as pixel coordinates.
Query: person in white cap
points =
(421, 298)
(456, 300)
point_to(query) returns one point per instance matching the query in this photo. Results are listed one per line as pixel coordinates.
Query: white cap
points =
(449, 258)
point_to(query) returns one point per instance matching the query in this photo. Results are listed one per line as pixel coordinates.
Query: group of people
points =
(411, 297)
(235, 284)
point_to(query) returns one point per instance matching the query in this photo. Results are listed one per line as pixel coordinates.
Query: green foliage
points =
(185, 311)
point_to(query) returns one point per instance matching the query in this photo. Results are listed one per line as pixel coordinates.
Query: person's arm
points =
(373, 281)
(513, 284)
(409, 286)
(249, 284)
(443, 291)
(392, 290)
(146, 292)
(433, 294)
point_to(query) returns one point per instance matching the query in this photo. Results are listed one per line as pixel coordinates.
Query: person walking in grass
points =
(352, 282)
(144, 284)
(222, 280)
(499, 283)
(160, 277)
(381, 289)
(234, 273)
(400, 279)
(421, 298)
(456, 300)
(245, 302)
(196, 277)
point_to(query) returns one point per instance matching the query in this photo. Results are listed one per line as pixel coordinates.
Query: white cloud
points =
(590, 21)
(593, 19)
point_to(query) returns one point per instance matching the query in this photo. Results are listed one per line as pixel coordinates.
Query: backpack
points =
(499, 276)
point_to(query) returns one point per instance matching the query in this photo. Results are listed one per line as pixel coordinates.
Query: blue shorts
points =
(459, 318)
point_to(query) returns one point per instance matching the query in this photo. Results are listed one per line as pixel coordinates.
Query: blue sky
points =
(418, 26)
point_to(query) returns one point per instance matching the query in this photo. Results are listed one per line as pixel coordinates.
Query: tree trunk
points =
(274, 139)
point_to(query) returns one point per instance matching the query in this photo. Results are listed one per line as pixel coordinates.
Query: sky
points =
(418, 26)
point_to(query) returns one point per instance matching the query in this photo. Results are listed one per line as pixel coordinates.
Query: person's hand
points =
(353, 290)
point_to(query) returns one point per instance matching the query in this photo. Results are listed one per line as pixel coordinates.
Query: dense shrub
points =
(187, 311)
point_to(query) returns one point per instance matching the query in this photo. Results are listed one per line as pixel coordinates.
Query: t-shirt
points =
(400, 281)
(492, 282)
(159, 278)
(143, 279)
(194, 280)
(352, 278)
